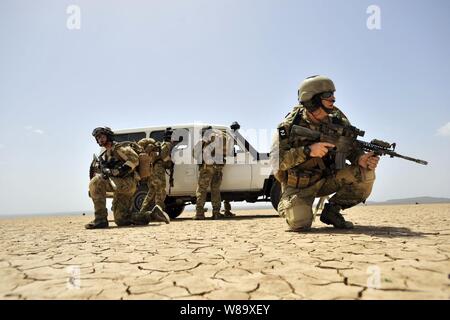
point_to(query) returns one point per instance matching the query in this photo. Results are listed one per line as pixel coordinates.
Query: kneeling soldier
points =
(117, 174)
(306, 170)
(159, 157)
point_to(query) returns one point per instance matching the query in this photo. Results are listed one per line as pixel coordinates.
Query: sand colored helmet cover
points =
(314, 85)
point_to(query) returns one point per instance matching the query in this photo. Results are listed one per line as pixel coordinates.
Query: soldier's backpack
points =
(221, 157)
(143, 168)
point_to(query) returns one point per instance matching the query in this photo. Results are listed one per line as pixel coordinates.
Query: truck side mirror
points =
(235, 126)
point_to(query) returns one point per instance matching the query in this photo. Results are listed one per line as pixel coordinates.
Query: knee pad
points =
(298, 213)
(97, 187)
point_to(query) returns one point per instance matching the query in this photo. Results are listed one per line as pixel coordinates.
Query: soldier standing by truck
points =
(210, 153)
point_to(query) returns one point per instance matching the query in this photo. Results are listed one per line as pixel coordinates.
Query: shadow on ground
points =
(246, 217)
(376, 231)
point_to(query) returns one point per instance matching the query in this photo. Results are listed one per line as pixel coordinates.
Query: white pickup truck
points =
(247, 175)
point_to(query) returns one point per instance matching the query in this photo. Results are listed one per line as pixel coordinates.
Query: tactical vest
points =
(311, 170)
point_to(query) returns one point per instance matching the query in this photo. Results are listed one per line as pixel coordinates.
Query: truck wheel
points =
(174, 209)
(138, 199)
(275, 194)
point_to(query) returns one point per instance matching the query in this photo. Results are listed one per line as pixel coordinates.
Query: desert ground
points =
(394, 252)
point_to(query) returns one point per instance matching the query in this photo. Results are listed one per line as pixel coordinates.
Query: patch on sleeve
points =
(282, 132)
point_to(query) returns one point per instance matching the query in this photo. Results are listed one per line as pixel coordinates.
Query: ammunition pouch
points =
(280, 176)
(301, 179)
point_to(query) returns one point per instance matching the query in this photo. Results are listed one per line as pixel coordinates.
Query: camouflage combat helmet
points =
(103, 130)
(312, 86)
(148, 144)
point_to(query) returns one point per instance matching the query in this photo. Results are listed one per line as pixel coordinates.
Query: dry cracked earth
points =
(395, 252)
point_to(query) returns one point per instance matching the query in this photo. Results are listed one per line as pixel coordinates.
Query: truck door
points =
(237, 173)
(185, 172)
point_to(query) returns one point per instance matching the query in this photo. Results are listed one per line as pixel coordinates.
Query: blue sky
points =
(144, 63)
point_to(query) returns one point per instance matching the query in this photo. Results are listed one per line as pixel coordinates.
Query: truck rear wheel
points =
(275, 194)
(174, 209)
(138, 199)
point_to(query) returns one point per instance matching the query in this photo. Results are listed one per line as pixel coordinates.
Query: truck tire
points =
(174, 209)
(275, 194)
(138, 199)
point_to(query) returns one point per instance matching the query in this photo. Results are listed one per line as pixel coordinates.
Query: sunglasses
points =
(326, 95)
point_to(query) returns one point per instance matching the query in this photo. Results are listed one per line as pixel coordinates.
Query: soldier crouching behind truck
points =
(305, 170)
(117, 174)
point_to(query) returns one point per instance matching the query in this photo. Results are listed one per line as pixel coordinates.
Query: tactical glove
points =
(122, 171)
(106, 173)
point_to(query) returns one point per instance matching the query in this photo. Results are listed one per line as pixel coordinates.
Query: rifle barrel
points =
(382, 151)
(394, 154)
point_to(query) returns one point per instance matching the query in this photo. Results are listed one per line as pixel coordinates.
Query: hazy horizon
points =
(242, 205)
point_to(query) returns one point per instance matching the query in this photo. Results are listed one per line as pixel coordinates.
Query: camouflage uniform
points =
(303, 178)
(210, 175)
(125, 188)
(157, 180)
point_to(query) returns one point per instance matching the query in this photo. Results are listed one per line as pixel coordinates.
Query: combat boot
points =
(100, 216)
(216, 215)
(331, 215)
(159, 215)
(199, 216)
(97, 224)
(229, 214)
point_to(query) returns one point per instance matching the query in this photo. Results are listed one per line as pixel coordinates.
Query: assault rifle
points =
(345, 139)
(105, 172)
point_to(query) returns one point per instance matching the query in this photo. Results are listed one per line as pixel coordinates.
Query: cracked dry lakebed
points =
(394, 252)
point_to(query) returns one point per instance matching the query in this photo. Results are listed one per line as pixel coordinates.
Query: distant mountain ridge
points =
(413, 200)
